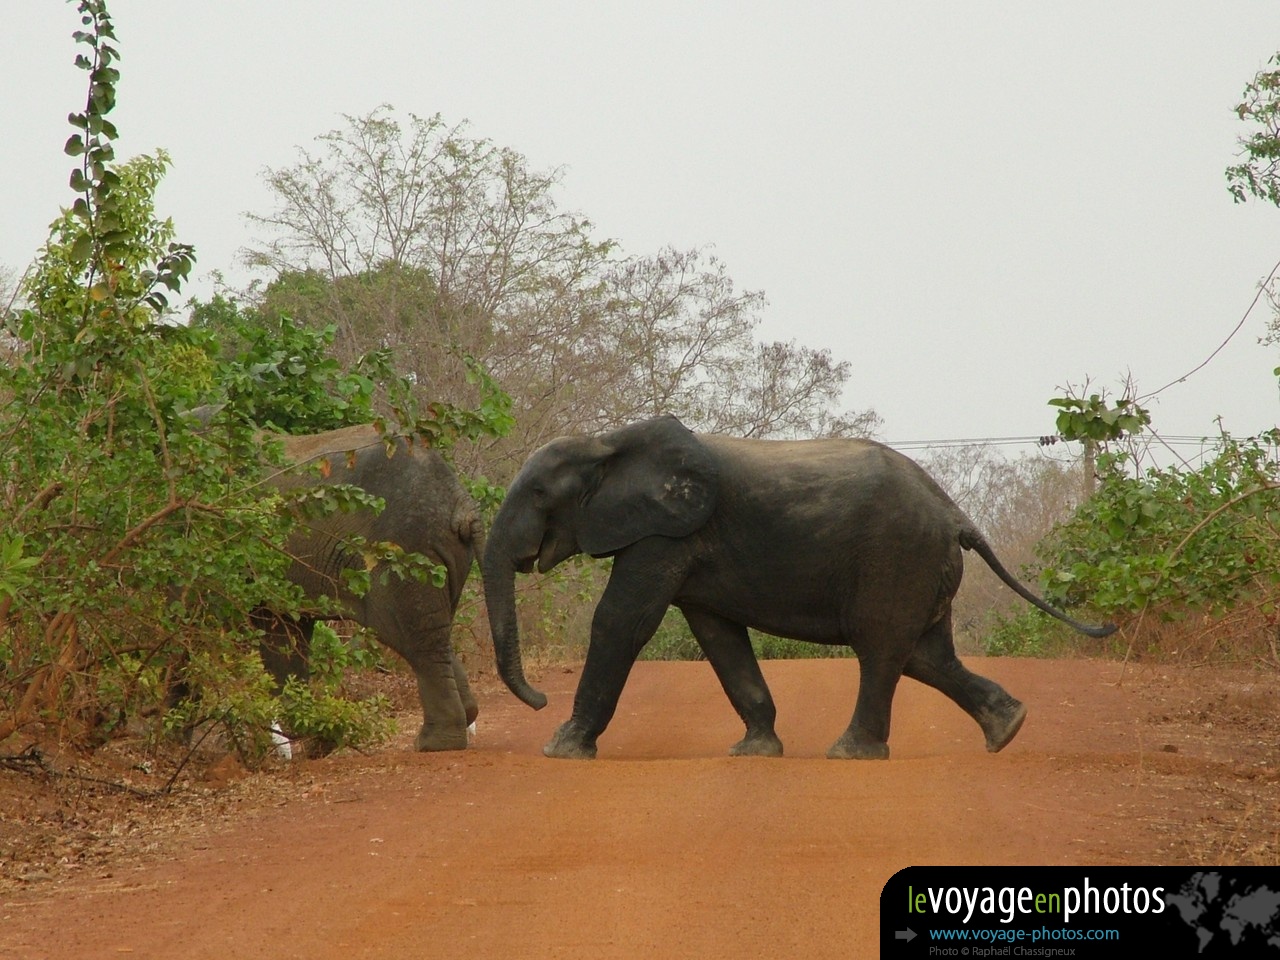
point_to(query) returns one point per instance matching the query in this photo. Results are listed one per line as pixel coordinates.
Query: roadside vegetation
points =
(137, 542)
(418, 276)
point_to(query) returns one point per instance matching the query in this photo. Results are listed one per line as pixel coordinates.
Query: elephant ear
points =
(655, 479)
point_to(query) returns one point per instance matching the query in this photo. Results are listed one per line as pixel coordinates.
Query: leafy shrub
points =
(135, 543)
(673, 640)
(313, 712)
(1176, 538)
(780, 648)
(1029, 633)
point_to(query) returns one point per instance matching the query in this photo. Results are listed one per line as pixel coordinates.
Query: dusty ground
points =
(663, 847)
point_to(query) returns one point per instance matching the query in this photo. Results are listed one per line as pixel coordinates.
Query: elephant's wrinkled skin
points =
(428, 512)
(829, 541)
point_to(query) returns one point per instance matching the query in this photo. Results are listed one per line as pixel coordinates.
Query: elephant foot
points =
(568, 744)
(850, 747)
(1003, 726)
(757, 745)
(430, 741)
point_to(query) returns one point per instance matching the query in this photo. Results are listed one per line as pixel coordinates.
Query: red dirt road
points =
(666, 847)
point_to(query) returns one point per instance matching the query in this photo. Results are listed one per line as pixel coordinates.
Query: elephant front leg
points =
(626, 617)
(571, 741)
(610, 656)
(728, 647)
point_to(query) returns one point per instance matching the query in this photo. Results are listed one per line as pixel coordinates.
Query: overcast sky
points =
(974, 203)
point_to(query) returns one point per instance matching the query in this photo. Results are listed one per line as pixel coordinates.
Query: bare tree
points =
(475, 217)
(417, 238)
(792, 391)
(1016, 503)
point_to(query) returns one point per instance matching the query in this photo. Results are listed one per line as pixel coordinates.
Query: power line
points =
(1038, 440)
(1262, 288)
(961, 442)
(1044, 441)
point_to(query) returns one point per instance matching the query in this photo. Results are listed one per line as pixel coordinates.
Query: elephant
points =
(832, 541)
(428, 512)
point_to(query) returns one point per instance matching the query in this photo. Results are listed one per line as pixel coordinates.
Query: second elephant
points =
(829, 541)
(428, 512)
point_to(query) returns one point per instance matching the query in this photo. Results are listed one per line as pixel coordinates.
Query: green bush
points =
(1029, 633)
(1173, 539)
(673, 640)
(137, 541)
(312, 712)
(780, 648)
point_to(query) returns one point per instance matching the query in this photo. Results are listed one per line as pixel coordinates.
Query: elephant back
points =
(426, 509)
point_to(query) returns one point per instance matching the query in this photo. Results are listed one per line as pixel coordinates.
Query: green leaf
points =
(81, 248)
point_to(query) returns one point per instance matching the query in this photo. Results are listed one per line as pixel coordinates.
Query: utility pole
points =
(1090, 467)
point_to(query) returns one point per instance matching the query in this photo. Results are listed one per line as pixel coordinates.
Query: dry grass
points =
(1247, 635)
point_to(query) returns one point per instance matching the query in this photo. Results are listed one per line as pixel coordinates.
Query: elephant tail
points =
(470, 529)
(971, 539)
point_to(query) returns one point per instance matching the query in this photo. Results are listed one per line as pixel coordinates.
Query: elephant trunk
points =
(500, 599)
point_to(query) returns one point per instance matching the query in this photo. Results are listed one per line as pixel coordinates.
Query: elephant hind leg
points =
(728, 647)
(934, 662)
(469, 705)
(867, 737)
(448, 705)
(445, 709)
(418, 625)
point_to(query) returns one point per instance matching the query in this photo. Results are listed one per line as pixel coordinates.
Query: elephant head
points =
(593, 495)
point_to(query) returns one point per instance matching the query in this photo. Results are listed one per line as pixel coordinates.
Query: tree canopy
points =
(414, 237)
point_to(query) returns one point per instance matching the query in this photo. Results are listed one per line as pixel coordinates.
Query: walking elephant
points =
(828, 541)
(428, 512)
